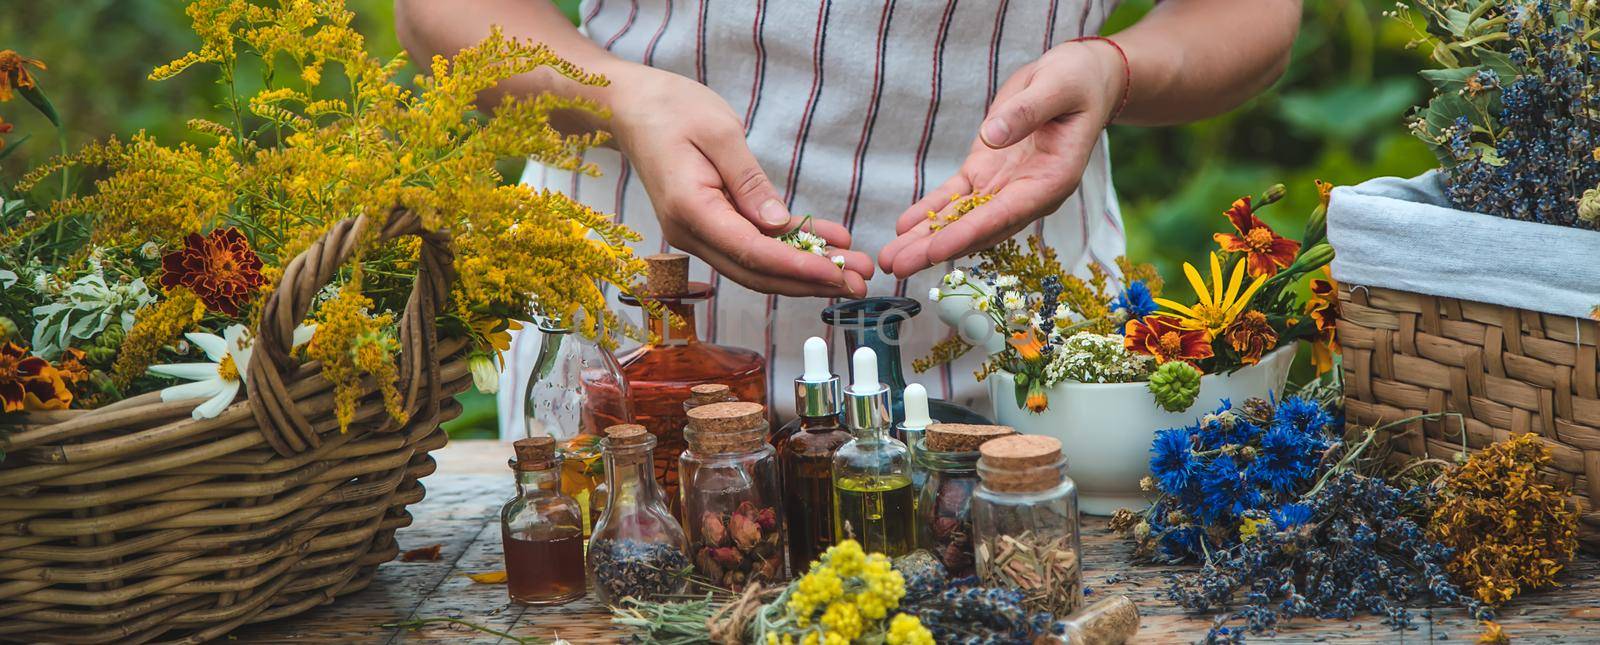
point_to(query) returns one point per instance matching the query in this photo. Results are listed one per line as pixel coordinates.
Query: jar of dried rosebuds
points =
(948, 456)
(1025, 523)
(731, 492)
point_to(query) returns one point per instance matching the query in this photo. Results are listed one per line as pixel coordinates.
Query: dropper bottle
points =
(805, 455)
(872, 489)
(911, 430)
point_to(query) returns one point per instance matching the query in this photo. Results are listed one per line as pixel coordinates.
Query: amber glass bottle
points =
(541, 530)
(805, 455)
(660, 373)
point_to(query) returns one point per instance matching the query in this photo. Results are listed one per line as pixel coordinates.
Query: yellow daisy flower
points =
(1217, 307)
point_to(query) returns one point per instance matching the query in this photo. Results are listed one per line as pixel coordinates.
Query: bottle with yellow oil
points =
(872, 489)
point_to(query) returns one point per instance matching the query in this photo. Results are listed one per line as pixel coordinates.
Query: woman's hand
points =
(1029, 155)
(711, 196)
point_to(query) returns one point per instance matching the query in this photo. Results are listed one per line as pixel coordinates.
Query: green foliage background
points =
(1336, 115)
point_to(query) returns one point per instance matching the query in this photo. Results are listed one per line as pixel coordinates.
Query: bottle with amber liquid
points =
(660, 373)
(805, 455)
(541, 530)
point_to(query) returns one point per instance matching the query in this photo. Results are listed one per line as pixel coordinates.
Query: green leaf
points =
(11, 146)
(1349, 111)
(1449, 80)
(42, 103)
(1500, 63)
(1022, 395)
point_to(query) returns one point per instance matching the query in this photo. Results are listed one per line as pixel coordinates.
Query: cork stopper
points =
(535, 453)
(666, 274)
(1020, 463)
(629, 443)
(708, 393)
(730, 426)
(962, 437)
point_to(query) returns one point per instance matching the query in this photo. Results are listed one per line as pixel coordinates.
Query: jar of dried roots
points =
(1025, 523)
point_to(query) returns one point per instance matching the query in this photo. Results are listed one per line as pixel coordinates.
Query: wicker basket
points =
(135, 522)
(1506, 371)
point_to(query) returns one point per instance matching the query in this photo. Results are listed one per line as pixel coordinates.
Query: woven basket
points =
(1506, 371)
(135, 522)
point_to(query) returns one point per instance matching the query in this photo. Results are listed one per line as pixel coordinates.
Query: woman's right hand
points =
(711, 196)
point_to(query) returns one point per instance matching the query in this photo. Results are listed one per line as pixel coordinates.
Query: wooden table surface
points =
(461, 513)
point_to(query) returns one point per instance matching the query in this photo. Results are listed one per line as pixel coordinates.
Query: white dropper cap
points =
(864, 379)
(916, 398)
(816, 361)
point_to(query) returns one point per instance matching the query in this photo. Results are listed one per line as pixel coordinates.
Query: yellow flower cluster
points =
(846, 594)
(334, 137)
(351, 342)
(153, 327)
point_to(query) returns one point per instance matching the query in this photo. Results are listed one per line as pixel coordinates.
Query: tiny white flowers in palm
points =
(219, 381)
(838, 261)
(933, 294)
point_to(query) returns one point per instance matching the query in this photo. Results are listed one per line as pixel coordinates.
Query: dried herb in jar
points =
(731, 496)
(1044, 567)
(637, 569)
(949, 456)
(734, 548)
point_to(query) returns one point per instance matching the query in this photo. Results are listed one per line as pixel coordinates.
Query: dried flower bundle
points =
(1511, 529)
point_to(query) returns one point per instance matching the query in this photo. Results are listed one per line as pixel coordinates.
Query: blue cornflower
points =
(1303, 415)
(1223, 427)
(1284, 460)
(1227, 493)
(1172, 461)
(1290, 516)
(1135, 300)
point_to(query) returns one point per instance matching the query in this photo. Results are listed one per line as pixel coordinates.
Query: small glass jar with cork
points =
(1025, 520)
(638, 549)
(732, 497)
(541, 529)
(949, 457)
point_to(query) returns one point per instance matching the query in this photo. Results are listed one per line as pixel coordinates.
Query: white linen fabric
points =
(855, 109)
(1404, 234)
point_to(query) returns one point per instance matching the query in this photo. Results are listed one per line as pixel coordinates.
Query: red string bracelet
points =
(1127, 72)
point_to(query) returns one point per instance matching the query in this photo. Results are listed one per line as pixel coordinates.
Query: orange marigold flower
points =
(71, 366)
(1037, 401)
(14, 72)
(1165, 338)
(1251, 336)
(1324, 191)
(28, 382)
(220, 268)
(1268, 251)
(1323, 307)
(1027, 344)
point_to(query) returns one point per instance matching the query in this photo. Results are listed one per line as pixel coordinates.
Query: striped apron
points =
(854, 108)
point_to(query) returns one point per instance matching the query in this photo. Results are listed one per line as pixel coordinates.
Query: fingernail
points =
(773, 213)
(994, 132)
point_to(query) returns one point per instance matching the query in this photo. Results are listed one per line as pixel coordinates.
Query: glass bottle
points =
(913, 428)
(1025, 514)
(583, 477)
(732, 496)
(638, 548)
(660, 373)
(949, 458)
(806, 456)
(872, 494)
(576, 387)
(541, 531)
(875, 323)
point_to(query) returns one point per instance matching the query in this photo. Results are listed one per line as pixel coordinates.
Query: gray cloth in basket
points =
(1403, 234)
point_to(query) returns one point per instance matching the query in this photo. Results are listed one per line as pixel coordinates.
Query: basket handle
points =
(277, 416)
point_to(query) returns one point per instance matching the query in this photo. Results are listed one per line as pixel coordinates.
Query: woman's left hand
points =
(1029, 155)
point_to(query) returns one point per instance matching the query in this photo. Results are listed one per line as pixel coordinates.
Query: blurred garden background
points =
(1336, 115)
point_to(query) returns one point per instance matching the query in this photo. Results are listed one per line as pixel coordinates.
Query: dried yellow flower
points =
(1512, 531)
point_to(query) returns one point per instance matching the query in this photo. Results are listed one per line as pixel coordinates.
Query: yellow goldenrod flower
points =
(1217, 307)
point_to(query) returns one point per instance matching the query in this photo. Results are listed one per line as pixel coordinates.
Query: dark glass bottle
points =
(638, 548)
(660, 373)
(805, 454)
(541, 530)
(875, 323)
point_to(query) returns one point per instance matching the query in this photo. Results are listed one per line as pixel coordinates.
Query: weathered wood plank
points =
(461, 513)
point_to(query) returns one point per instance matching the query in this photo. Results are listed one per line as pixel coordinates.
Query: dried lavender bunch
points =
(970, 615)
(1511, 119)
(1352, 547)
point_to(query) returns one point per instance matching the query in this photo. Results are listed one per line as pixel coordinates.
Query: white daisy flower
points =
(838, 261)
(933, 294)
(1005, 281)
(219, 381)
(1013, 301)
(955, 277)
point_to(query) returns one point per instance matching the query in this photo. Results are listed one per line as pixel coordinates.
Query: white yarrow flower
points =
(933, 294)
(1006, 281)
(219, 381)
